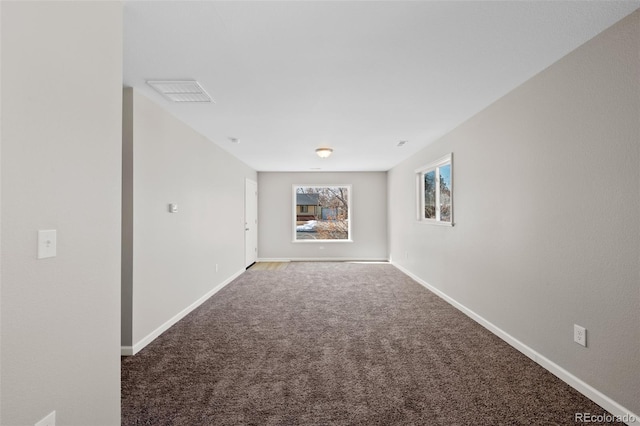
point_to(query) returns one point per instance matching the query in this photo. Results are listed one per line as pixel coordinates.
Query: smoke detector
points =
(180, 90)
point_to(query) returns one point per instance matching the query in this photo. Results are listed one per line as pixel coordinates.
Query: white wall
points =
(0, 210)
(368, 213)
(61, 155)
(174, 255)
(547, 203)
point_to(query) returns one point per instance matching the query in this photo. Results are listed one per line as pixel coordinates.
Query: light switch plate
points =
(47, 244)
(49, 420)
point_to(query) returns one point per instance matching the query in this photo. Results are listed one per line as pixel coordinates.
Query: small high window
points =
(435, 192)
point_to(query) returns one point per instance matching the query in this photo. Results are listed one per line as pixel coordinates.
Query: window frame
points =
(294, 189)
(420, 196)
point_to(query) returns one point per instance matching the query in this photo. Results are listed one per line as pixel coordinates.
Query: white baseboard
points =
(322, 259)
(585, 389)
(132, 350)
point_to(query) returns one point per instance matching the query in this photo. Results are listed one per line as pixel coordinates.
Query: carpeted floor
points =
(337, 344)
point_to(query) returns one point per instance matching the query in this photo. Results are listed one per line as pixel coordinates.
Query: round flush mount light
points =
(324, 152)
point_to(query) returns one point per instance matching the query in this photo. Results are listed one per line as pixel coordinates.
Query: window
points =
(321, 213)
(435, 192)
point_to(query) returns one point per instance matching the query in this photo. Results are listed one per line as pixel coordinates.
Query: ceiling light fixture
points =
(324, 152)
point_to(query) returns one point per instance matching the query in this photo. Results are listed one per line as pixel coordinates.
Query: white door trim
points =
(250, 222)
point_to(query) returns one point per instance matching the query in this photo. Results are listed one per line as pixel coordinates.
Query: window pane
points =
(430, 195)
(323, 213)
(445, 193)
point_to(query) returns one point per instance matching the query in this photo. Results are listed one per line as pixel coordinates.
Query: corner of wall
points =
(167, 161)
(1, 38)
(126, 294)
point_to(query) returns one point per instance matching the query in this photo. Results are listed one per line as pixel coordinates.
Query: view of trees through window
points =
(435, 200)
(435, 188)
(322, 212)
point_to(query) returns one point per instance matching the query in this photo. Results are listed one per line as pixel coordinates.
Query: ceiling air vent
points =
(181, 90)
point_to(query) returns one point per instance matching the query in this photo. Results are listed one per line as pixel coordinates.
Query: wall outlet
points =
(216, 267)
(580, 335)
(49, 420)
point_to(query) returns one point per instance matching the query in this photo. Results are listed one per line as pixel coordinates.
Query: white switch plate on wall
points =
(47, 244)
(50, 420)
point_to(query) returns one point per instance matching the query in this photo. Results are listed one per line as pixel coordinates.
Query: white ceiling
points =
(289, 77)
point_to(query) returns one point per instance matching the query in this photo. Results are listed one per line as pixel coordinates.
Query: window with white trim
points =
(321, 213)
(435, 191)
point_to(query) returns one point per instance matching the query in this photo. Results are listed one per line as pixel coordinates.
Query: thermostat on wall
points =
(173, 208)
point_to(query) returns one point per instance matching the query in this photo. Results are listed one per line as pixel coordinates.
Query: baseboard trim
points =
(137, 347)
(322, 259)
(585, 389)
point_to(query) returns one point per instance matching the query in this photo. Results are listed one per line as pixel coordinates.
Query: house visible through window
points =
(435, 192)
(321, 213)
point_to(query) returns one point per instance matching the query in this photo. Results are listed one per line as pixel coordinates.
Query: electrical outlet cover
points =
(580, 335)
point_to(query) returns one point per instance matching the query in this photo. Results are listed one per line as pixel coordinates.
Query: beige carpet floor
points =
(337, 344)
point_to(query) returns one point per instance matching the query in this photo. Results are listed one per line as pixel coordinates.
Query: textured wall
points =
(174, 255)
(546, 190)
(61, 157)
(368, 228)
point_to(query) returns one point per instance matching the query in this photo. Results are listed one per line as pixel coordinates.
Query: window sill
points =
(322, 241)
(436, 223)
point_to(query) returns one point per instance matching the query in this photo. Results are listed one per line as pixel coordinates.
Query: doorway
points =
(250, 222)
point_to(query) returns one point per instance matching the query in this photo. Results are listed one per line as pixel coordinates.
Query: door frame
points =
(250, 190)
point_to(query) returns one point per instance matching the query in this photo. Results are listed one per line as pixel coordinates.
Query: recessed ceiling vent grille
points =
(181, 90)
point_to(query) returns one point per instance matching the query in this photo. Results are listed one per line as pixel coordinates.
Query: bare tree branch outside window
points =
(435, 191)
(322, 212)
